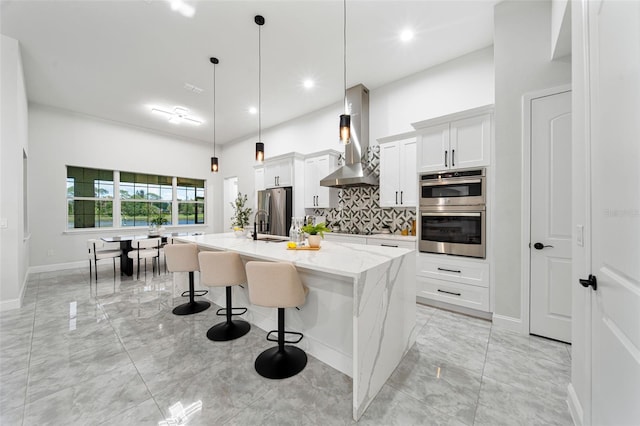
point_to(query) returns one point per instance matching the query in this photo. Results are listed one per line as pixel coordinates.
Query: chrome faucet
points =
(255, 223)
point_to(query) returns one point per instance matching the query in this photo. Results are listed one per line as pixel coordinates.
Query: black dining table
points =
(126, 245)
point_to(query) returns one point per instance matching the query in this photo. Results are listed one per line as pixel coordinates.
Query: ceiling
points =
(117, 59)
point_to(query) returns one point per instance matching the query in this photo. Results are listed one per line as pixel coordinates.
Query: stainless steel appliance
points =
(463, 188)
(453, 213)
(459, 230)
(277, 203)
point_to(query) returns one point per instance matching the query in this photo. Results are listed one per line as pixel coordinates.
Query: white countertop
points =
(333, 257)
(393, 237)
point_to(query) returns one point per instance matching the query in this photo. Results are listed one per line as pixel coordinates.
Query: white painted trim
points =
(508, 323)
(575, 409)
(57, 267)
(525, 202)
(485, 109)
(7, 305)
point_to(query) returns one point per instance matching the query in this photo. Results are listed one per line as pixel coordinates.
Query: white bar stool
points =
(184, 258)
(277, 285)
(224, 269)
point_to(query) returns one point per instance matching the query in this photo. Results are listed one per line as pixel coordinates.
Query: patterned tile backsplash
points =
(359, 211)
(359, 208)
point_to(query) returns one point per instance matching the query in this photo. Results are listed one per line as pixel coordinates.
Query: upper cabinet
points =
(456, 141)
(278, 172)
(316, 167)
(398, 177)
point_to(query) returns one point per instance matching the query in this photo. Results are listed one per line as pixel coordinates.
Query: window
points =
(141, 199)
(190, 194)
(145, 198)
(89, 198)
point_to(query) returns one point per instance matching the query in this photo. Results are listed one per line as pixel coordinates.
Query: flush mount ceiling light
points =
(259, 20)
(345, 119)
(178, 115)
(214, 159)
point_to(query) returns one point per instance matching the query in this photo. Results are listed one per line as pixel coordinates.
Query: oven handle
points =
(449, 182)
(455, 214)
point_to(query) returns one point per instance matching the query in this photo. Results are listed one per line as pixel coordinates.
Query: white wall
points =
(522, 36)
(14, 244)
(59, 138)
(460, 84)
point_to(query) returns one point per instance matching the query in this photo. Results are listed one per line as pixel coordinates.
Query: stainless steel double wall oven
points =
(453, 213)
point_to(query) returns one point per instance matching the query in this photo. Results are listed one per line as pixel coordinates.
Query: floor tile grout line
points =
(33, 331)
(484, 365)
(130, 359)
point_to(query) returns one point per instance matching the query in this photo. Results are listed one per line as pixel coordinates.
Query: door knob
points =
(540, 246)
(591, 281)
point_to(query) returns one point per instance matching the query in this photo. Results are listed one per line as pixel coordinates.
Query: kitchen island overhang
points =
(360, 312)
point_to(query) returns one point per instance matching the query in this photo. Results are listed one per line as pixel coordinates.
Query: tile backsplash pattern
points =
(359, 208)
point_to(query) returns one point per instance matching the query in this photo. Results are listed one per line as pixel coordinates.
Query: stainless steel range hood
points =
(354, 173)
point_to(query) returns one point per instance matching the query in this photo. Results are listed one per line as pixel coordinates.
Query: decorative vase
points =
(314, 241)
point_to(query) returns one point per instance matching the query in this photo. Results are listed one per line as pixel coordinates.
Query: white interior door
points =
(550, 296)
(615, 210)
(230, 194)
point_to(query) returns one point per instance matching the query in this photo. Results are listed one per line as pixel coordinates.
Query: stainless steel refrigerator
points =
(275, 208)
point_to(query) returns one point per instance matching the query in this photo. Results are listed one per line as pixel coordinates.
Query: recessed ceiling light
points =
(308, 83)
(181, 7)
(406, 35)
(253, 110)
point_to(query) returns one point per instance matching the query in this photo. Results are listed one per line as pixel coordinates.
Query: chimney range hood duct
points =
(354, 173)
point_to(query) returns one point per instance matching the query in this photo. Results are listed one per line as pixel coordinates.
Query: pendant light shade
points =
(259, 152)
(214, 159)
(259, 20)
(345, 119)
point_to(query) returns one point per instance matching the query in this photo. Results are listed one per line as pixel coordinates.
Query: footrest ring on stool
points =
(223, 312)
(285, 332)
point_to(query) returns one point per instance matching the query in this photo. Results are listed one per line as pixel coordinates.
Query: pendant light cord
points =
(214, 110)
(344, 51)
(259, 84)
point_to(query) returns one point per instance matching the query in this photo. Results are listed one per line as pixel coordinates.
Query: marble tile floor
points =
(114, 354)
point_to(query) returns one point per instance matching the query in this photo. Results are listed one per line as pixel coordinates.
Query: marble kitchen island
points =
(360, 313)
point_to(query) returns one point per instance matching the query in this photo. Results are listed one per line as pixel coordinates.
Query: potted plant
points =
(156, 224)
(241, 214)
(316, 232)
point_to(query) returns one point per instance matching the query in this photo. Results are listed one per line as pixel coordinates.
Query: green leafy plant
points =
(318, 229)
(159, 220)
(241, 213)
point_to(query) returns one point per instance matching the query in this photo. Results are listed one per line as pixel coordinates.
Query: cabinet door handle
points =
(401, 197)
(396, 197)
(446, 152)
(388, 245)
(450, 292)
(453, 158)
(449, 270)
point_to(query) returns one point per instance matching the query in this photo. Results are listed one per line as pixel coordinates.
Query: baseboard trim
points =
(57, 267)
(454, 308)
(575, 408)
(8, 305)
(508, 323)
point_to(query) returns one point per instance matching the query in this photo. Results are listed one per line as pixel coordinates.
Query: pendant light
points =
(214, 159)
(259, 20)
(345, 119)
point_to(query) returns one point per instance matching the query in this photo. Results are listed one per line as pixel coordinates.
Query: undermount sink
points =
(272, 239)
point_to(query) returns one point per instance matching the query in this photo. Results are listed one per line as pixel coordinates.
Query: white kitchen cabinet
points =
(398, 178)
(258, 176)
(345, 238)
(456, 141)
(278, 172)
(454, 280)
(316, 167)
(389, 242)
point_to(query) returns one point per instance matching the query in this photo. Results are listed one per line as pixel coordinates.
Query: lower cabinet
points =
(386, 242)
(454, 280)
